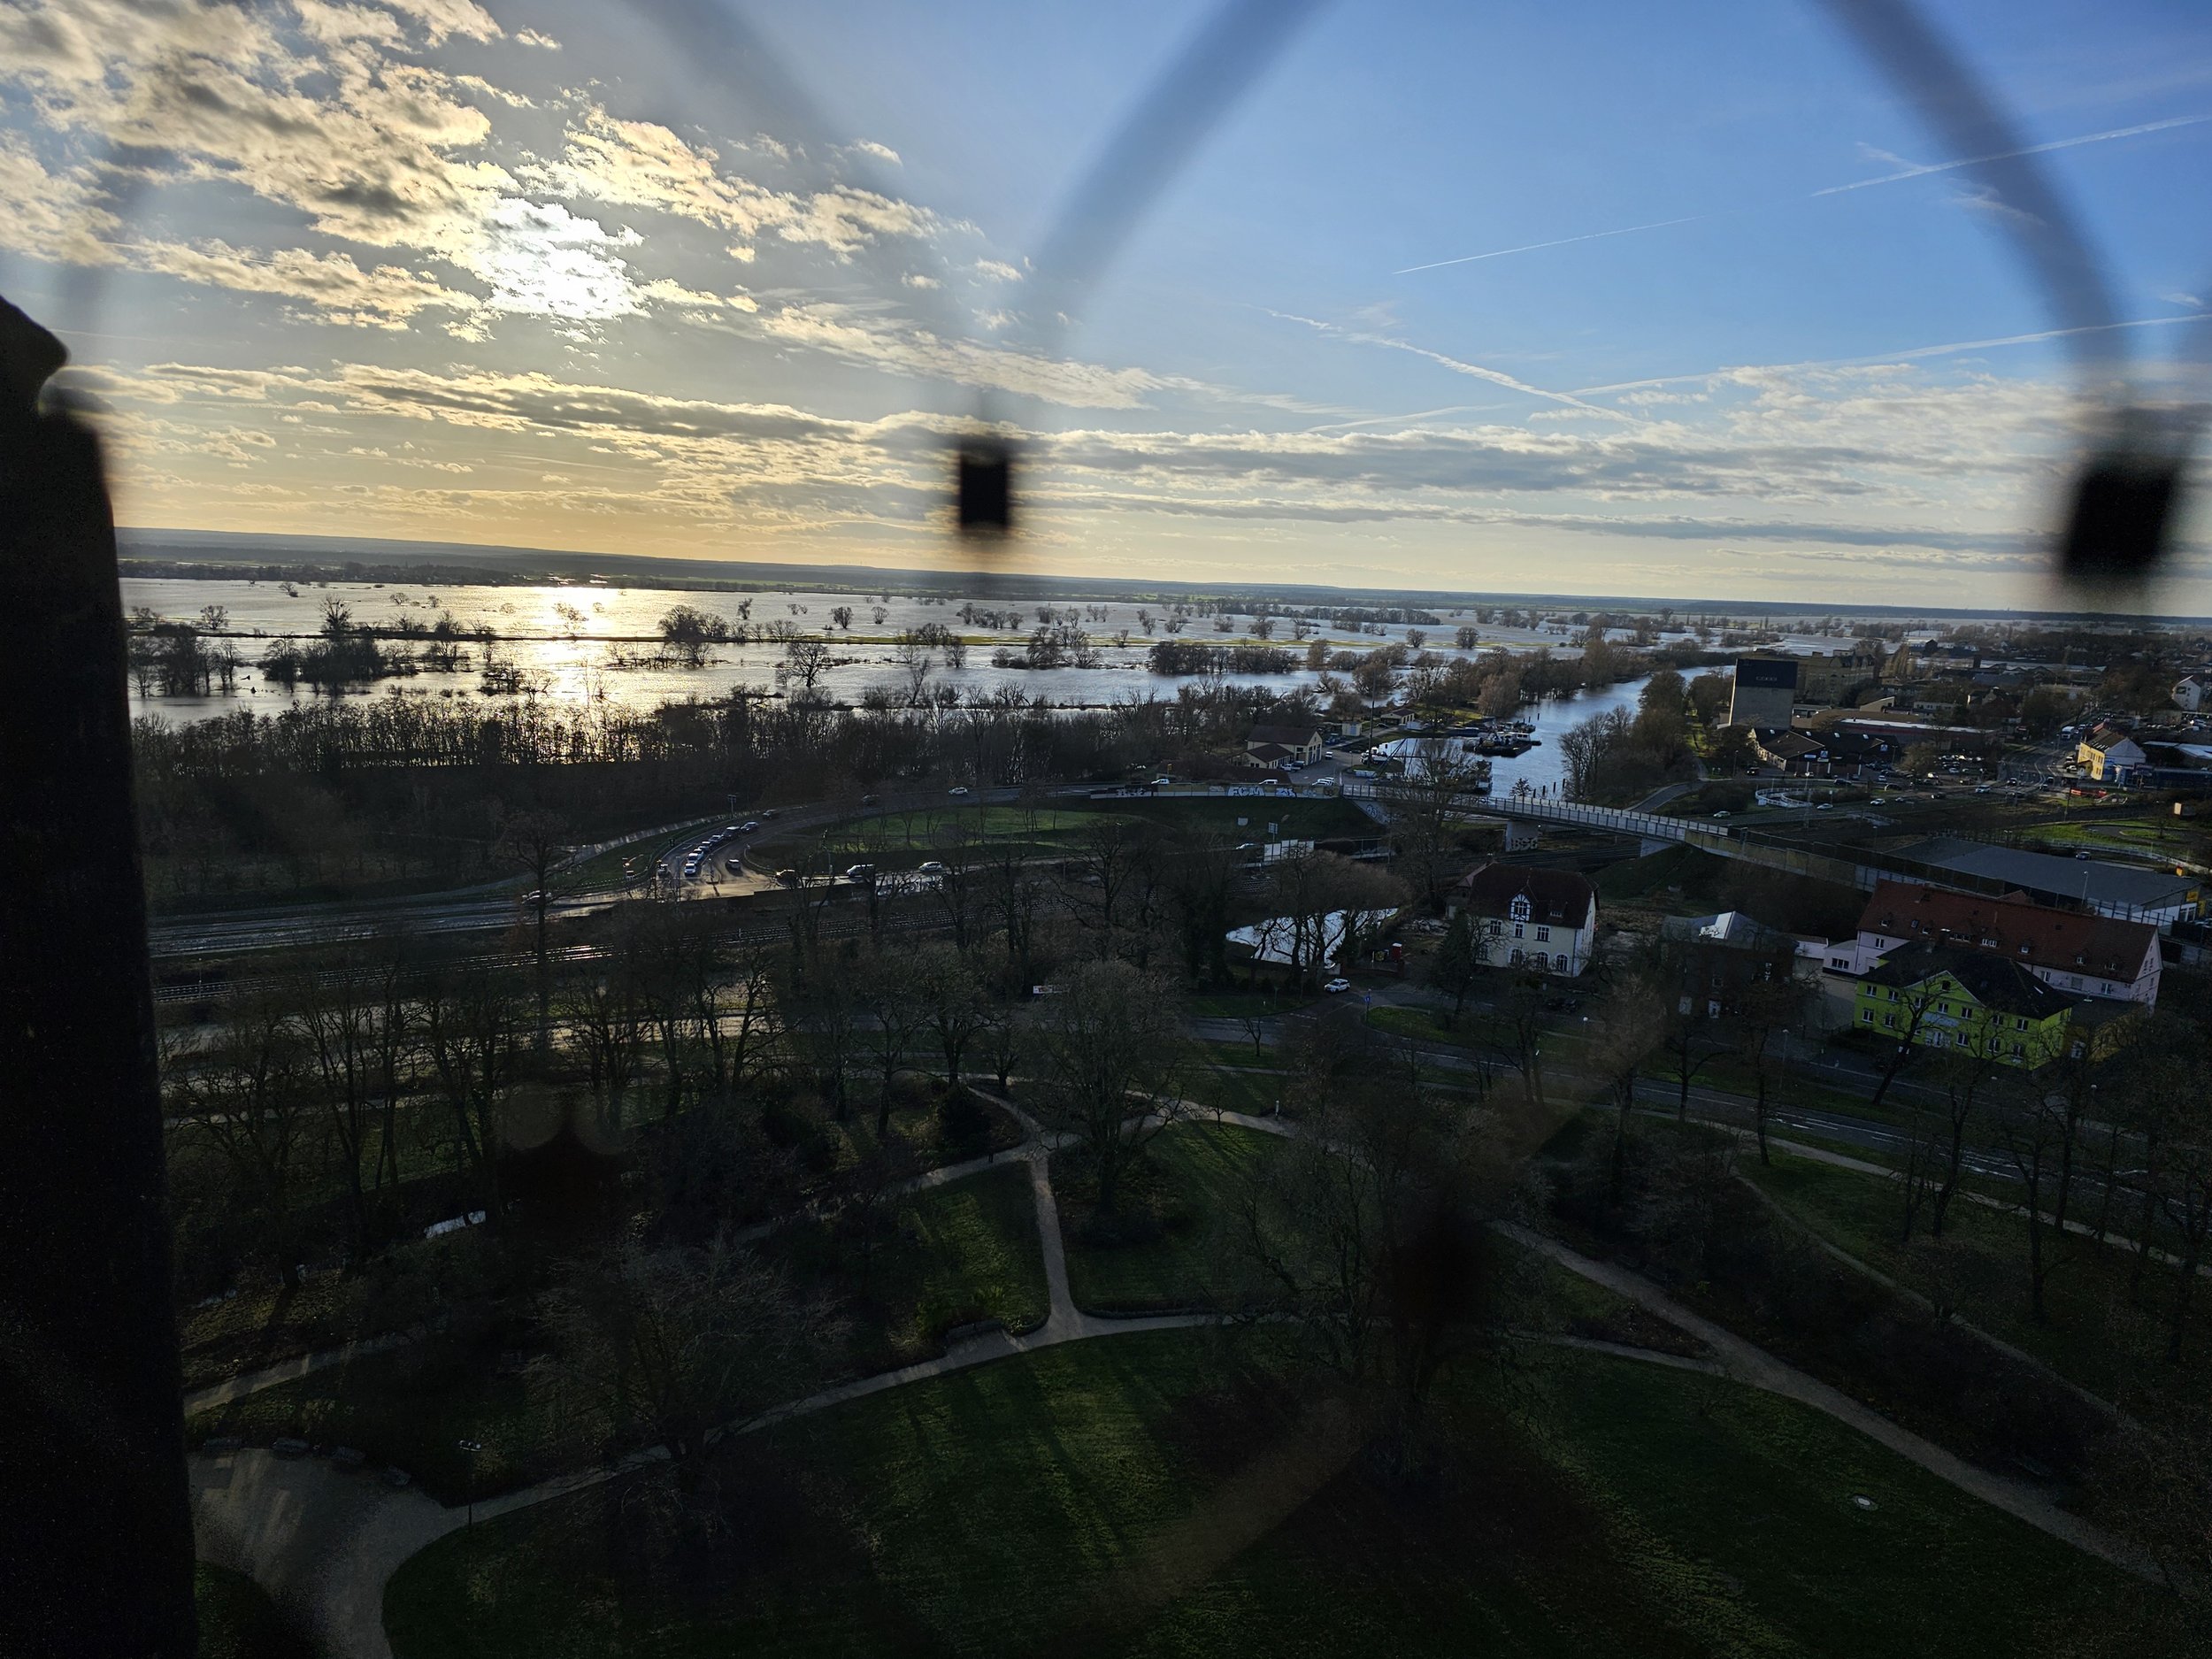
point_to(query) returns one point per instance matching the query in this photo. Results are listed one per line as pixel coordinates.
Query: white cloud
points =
(533, 37)
(875, 152)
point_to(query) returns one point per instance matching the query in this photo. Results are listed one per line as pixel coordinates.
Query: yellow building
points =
(1969, 1001)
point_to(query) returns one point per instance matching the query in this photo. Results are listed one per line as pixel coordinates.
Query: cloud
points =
(874, 151)
(644, 165)
(532, 37)
(995, 270)
(387, 297)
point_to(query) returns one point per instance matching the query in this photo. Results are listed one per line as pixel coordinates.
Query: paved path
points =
(1747, 1364)
(325, 1542)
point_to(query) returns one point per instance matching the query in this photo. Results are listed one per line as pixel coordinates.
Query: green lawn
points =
(2096, 1336)
(1191, 1187)
(408, 1409)
(1150, 1495)
(961, 1252)
(237, 1619)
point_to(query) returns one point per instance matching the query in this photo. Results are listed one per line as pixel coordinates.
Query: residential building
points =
(2193, 692)
(1712, 959)
(1970, 1001)
(2073, 951)
(1766, 691)
(2110, 755)
(1303, 742)
(1795, 754)
(1546, 919)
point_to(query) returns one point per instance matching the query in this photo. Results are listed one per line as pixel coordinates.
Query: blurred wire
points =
(2126, 494)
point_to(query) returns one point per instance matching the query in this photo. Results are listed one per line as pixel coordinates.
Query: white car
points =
(958, 788)
(751, 824)
(930, 867)
(1335, 985)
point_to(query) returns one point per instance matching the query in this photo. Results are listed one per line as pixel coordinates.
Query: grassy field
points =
(902, 840)
(2097, 1336)
(237, 1619)
(960, 1253)
(1191, 1191)
(963, 1252)
(1154, 1495)
(408, 1410)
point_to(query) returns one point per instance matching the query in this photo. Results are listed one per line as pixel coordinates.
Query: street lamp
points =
(469, 1448)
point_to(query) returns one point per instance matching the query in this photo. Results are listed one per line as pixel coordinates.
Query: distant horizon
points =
(1637, 300)
(329, 551)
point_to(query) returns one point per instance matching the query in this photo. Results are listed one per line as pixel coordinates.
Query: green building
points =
(1979, 1004)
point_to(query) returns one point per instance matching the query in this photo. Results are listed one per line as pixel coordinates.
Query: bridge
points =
(1653, 833)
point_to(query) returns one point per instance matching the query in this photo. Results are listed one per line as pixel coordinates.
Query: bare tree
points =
(2034, 1126)
(1765, 1011)
(897, 1013)
(245, 1094)
(538, 842)
(1109, 1051)
(1369, 1229)
(468, 1031)
(668, 1347)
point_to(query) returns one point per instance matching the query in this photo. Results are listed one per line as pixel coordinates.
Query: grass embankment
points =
(1160, 1496)
(2098, 1335)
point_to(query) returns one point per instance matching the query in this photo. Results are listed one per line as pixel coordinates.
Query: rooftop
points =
(1553, 895)
(2002, 986)
(2088, 880)
(2011, 927)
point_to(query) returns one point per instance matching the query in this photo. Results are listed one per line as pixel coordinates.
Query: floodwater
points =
(568, 639)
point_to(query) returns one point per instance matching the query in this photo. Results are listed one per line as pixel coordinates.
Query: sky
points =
(1676, 301)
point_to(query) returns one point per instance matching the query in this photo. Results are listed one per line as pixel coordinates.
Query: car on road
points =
(930, 867)
(1335, 985)
(958, 788)
(1721, 814)
(769, 811)
(870, 800)
(751, 824)
(860, 872)
(789, 878)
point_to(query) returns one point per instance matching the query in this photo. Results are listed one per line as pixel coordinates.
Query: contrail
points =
(1497, 377)
(2010, 154)
(1595, 235)
(1833, 189)
(1903, 355)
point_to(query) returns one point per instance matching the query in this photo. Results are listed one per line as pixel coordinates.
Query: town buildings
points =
(2076, 953)
(1546, 919)
(1970, 1001)
(1712, 960)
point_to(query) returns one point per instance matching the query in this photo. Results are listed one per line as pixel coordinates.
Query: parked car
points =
(1334, 986)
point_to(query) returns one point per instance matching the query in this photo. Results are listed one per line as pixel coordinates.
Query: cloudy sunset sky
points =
(1596, 297)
